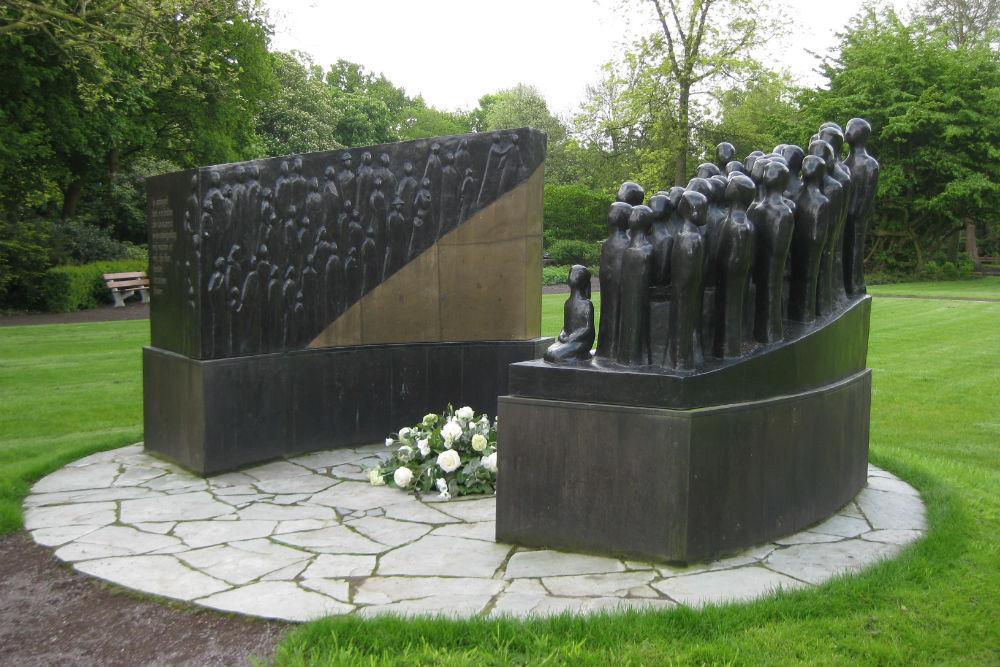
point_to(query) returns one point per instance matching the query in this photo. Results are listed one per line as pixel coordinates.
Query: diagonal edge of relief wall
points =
(482, 281)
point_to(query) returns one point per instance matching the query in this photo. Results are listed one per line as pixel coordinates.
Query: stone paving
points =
(309, 536)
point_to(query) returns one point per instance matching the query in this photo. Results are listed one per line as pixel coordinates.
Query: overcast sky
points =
(455, 51)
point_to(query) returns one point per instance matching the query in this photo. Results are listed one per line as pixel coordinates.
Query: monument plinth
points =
(322, 300)
(727, 402)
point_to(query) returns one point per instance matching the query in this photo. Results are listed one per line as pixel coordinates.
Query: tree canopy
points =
(933, 109)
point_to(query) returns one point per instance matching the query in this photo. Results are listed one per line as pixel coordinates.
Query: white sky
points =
(455, 51)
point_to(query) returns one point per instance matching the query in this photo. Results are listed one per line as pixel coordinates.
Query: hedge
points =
(69, 288)
(568, 253)
(574, 212)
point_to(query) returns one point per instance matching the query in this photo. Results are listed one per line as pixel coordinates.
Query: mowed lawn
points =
(67, 390)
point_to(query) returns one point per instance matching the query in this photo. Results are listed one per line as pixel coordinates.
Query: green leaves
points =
(933, 108)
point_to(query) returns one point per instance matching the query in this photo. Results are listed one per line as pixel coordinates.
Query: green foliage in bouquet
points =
(454, 453)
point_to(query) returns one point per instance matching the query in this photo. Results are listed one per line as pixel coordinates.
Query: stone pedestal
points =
(639, 471)
(216, 415)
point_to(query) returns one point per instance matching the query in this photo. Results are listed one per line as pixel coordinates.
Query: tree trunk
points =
(970, 244)
(684, 129)
(114, 161)
(71, 198)
(953, 247)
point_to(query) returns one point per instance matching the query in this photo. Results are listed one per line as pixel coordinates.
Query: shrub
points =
(68, 288)
(574, 212)
(555, 275)
(24, 259)
(575, 252)
(949, 271)
(75, 241)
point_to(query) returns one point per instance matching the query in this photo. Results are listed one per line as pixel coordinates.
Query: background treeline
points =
(98, 95)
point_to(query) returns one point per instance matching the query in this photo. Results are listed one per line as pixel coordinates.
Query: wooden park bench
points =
(124, 285)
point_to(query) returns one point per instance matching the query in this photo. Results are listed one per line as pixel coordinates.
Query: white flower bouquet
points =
(454, 453)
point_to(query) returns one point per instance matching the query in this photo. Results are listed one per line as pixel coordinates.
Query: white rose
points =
(404, 433)
(375, 477)
(465, 413)
(424, 448)
(442, 486)
(405, 453)
(402, 477)
(490, 462)
(449, 460)
(451, 432)
(479, 442)
(388, 442)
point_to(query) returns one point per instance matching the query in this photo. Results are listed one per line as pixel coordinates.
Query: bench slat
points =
(128, 284)
(127, 274)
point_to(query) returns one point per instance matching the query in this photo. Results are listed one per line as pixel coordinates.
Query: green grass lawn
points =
(66, 390)
(980, 287)
(72, 389)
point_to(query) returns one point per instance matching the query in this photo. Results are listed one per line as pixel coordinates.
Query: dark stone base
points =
(218, 415)
(679, 485)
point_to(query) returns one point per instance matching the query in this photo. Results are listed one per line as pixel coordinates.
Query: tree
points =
(180, 78)
(701, 41)
(758, 115)
(935, 129)
(300, 115)
(964, 21)
(524, 106)
(420, 121)
(520, 106)
(624, 125)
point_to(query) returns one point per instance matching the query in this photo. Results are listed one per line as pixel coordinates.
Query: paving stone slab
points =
(388, 531)
(341, 538)
(450, 607)
(338, 589)
(97, 476)
(358, 496)
(886, 509)
(331, 566)
(548, 563)
(892, 484)
(159, 575)
(892, 536)
(268, 511)
(301, 485)
(277, 470)
(723, 586)
(815, 563)
(484, 509)
(53, 537)
(182, 507)
(480, 530)
(135, 541)
(276, 599)
(242, 562)
(842, 526)
(206, 533)
(446, 557)
(387, 590)
(86, 496)
(604, 585)
(101, 513)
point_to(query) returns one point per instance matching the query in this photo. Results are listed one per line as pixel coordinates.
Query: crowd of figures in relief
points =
(285, 257)
(714, 270)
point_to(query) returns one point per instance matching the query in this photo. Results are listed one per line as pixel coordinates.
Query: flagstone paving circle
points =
(308, 537)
